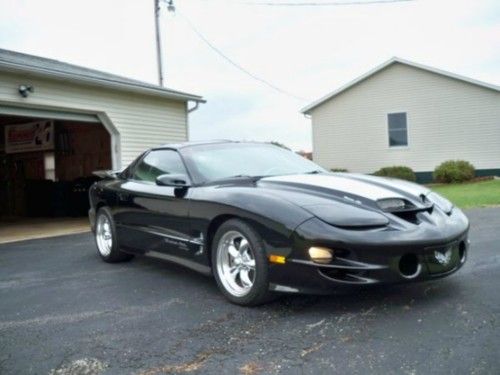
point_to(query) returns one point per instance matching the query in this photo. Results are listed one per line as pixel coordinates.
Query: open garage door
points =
(46, 164)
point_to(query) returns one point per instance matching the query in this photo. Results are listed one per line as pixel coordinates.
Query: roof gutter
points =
(99, 82)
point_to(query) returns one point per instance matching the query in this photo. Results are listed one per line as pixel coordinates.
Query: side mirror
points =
(173, 180)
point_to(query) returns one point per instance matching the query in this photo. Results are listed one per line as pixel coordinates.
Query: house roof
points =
(396, 60)
(12, 61)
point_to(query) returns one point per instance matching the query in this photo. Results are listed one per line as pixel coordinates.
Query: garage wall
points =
(143, 121)
(81, 149)
(447, 119)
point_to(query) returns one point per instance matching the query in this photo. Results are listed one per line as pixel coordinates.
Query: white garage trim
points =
(48, 114)
(116, 151)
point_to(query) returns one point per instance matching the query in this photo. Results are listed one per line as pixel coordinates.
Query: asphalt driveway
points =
(64, 311)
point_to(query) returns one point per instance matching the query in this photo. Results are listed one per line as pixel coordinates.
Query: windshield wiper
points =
(316, 171)
(238, 176)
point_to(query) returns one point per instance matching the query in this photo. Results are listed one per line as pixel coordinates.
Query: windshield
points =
(219, 161)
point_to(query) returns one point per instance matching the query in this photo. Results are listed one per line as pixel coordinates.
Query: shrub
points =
(454, 171)
(398, 171)
(338, 170)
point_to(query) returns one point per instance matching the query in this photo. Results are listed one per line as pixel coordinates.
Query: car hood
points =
(345, 199)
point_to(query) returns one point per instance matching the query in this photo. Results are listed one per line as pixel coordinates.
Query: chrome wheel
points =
(104, 235)
(235, 263)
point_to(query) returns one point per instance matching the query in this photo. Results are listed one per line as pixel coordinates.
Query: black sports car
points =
(262, 219)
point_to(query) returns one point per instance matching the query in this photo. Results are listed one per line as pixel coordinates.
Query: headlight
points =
(347, 216)
(440, 201)
(321, 255)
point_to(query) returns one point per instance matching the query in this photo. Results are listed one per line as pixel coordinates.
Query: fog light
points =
(321, 254)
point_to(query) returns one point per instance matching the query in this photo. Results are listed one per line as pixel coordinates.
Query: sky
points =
(305, 51)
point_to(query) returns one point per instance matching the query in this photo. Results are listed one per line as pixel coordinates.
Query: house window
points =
(398, 129)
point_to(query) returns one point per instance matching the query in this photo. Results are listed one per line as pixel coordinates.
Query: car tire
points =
(250, 285)
(106, 238)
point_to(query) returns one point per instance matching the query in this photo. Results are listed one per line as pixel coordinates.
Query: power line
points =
(327, 3)
(235, 64)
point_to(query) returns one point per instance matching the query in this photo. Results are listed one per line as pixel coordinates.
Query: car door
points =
(153, 218)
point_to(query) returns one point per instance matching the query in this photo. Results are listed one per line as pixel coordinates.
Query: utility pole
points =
(159, 49)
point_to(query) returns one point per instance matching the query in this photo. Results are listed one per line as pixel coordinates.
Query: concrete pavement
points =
(64, 311)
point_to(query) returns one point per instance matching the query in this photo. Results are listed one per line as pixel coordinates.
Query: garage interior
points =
(45, 177)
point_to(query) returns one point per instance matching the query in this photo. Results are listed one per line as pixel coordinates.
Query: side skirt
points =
(205, 270)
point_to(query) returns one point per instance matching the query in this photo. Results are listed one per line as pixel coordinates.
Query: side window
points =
(157, 163)
(398, 129)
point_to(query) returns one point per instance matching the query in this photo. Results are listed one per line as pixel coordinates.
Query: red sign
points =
(34, 136)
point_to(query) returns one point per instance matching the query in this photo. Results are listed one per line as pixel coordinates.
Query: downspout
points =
(196, 105)
(189, 110)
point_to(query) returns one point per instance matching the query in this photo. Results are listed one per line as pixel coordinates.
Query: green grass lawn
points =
(474, 194)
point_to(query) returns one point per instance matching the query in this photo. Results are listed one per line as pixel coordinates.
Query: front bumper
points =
(429, 251)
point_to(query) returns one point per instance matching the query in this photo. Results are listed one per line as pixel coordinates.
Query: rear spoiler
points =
(107, 174)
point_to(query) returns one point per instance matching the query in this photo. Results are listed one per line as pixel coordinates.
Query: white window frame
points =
(389, 133)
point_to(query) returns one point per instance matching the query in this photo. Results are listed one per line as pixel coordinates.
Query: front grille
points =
(433, 254)
(410, 216)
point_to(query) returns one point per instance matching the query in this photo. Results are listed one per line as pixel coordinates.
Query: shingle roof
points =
(16, 61)
(397, 60)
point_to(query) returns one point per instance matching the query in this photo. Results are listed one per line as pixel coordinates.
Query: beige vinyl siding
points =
(447, 119)
(143, 121)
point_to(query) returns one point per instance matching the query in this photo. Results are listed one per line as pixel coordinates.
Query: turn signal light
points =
(277, 259)
(321, 255)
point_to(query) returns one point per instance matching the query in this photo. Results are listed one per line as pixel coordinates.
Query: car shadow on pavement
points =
(404, 296)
